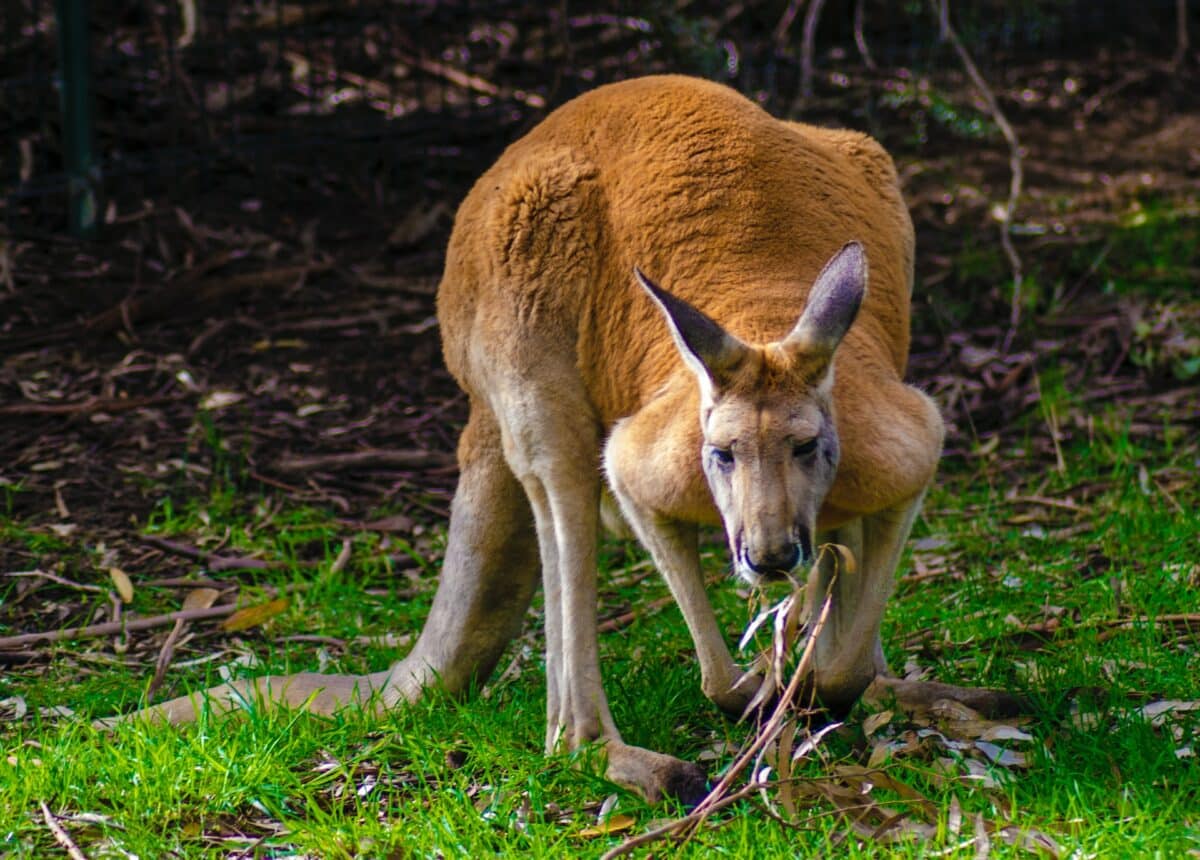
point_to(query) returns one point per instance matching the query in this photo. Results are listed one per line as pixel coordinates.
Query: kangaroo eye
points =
(723, 456)
(803, 449)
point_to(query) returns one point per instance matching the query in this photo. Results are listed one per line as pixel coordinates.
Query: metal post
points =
(75, 94)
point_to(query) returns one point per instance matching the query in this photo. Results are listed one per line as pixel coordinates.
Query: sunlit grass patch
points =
(1075, 586)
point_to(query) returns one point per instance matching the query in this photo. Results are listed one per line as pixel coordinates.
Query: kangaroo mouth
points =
(759, 574)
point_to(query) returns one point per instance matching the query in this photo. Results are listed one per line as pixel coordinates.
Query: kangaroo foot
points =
(319, 694)
(654, 775)
(921, 695)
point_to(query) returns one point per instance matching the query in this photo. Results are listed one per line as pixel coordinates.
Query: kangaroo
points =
(759, 388)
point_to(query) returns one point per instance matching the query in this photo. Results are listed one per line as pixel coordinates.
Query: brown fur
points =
(571, 369)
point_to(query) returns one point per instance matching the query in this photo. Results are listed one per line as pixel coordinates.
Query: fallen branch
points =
(215, 562)
(779, 36)
(627, 618)
(404, 458)
(90, 406)
(113, 627)
(1031, 637)
(61, 836)
(165, 301)
(61, 580)
(165, 655)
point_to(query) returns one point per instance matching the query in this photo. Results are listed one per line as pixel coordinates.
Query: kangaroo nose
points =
(779, 560)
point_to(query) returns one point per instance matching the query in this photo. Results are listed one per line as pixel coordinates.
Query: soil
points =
(192, 348)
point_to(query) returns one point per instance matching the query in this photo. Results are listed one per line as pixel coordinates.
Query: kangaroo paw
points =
(655, 775)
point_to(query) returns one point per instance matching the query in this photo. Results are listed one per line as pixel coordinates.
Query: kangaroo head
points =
(766, 413)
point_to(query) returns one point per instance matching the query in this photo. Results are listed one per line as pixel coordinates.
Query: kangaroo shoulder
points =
(537, 201)
(868, 155)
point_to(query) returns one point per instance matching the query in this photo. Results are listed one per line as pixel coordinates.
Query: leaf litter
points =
(874, 794)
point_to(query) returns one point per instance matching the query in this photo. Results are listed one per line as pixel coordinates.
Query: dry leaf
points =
(999, 755)
(1002, 732)
(949, 709)
(13, 708)
(614, 824)
(217, 400)
(200, 598)
(954, 817)
(252, 616)
(1159, 712)
(877, 721)
(122, 583)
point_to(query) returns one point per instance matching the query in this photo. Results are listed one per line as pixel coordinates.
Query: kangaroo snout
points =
(774, 562)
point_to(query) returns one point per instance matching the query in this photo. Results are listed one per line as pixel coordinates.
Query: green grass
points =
(469, 779)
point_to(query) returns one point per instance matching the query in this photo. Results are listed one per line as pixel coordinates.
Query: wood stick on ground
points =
(90, 406)
(61, 580)
(215, 562)
(60, 834)
(405, 458)
(343, 557)
(1015, 163)
(627, 618)
(111, 627)
(165, 655)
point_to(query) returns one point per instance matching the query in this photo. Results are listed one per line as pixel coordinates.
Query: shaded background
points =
(275, 182)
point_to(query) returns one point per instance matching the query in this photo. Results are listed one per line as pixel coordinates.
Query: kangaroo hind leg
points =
(488, 577)
(487, 582)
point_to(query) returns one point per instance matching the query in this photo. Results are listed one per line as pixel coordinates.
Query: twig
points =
(779, 36)
(1031, 637)
(61, 580)
(808, 47)
(1181, 34)
(343, 557)
(165, 655)
(111, 627)
(860, 40)
(627, 618)
(1046, 502)
(670, 828)
(61, 836)
(187, 582)
(315, 638)
(1015, 163)
(214, 563)
(89, 406)
(404, 458)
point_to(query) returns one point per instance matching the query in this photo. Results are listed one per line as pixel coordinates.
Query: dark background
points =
(276, 181)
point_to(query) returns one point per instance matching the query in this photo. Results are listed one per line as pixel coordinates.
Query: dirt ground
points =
(301, 357)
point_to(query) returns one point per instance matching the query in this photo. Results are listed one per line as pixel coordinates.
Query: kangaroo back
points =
(703, 190)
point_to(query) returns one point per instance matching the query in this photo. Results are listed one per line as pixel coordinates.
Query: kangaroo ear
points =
(832, 305)
(710, 351)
